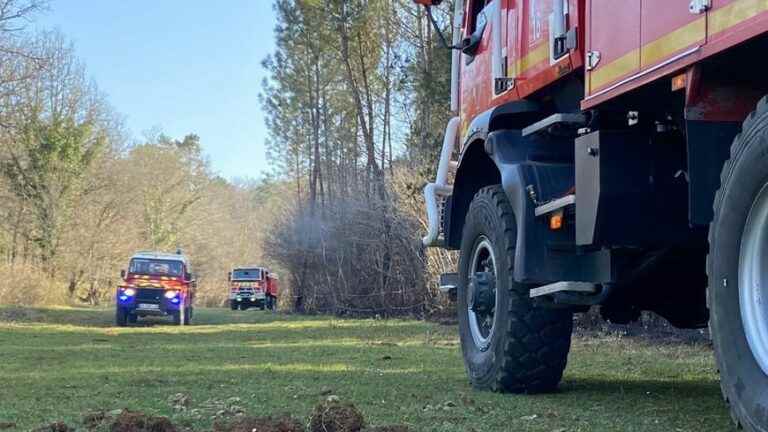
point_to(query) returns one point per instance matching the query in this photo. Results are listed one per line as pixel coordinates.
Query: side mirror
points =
(469, 45)
(229, 276)
(122, 274)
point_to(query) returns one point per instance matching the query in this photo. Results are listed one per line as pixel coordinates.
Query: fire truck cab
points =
(609, 153)
(252, 286)
(155, 284)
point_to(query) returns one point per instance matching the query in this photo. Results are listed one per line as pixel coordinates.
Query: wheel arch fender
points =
(524, 167)
(478, 167)
(485, 162)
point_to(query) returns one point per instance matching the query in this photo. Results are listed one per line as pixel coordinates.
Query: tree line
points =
(356, 101)
(79, 195)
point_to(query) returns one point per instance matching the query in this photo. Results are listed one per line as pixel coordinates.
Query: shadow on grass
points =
(647, 388)
(91, 317)
(104, 316)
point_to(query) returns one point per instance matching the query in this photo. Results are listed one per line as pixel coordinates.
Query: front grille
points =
(149, 295)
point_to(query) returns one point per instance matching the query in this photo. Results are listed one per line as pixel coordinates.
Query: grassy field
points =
(56, 364)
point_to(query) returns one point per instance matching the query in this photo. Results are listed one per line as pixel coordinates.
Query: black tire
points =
(188, 316)
(528, 348)
(176, 317)
(233, 305)
(745, 174)
(133, 318)
(121, 317)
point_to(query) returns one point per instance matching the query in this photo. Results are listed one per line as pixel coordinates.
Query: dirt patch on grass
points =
(336, 417)
(55, 427)
(94, 419)
(329, 416)
(130, 421)
(393, 428)
(259, 424)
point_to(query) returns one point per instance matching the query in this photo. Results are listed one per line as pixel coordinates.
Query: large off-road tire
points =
(188, 315)
(133, 318)
(737, 267)
(121, 316)
(233, 305)
(508, 344)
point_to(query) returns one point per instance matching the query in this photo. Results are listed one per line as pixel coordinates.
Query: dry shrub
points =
(25, 284)
(354, 257)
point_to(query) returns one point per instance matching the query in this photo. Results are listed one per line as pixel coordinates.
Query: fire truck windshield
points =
(156, 267)
(246, 274)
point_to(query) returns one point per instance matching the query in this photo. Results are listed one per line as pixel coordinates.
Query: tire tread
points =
(538, 340)
(755, 123)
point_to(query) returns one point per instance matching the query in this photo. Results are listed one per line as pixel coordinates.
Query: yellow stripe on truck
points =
(670, 43)
(607, 73)
(651, 53)
(736, 12)
(538, 55)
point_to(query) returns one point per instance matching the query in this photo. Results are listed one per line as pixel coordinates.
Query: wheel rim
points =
(482, 294)
(753, 279)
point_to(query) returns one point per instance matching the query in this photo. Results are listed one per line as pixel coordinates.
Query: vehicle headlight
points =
(130, 292)
(171, 294)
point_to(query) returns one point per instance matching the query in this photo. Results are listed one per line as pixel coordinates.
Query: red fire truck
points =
(156, 284)
(252, 286)
(612, 153)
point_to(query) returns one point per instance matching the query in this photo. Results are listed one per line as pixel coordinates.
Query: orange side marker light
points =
(556, 220)
(679, 82)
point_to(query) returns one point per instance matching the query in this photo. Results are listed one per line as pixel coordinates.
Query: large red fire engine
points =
(252, 286)
(612, 153)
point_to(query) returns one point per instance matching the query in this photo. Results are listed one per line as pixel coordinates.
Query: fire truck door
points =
(670, 30)
(613, 42)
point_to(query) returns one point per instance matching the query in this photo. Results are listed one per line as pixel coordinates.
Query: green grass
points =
(56, 364)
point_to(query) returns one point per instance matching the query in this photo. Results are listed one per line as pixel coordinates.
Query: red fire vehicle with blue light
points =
(156, 284)
(252, 286)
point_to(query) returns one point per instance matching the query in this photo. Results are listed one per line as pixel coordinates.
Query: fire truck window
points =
(475, 17)
(156, 267)
(246, 274)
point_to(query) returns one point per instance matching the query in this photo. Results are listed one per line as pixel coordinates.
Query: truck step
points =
(577, 287)
(573, 120)
(555, 205)
(448, 283)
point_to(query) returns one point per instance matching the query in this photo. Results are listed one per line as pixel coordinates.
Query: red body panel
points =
(167, 283)
(525, 43)
(639, 41)
(670, 41)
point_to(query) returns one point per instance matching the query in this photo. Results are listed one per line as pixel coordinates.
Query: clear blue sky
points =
(185, 66)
